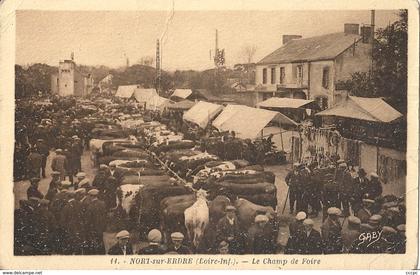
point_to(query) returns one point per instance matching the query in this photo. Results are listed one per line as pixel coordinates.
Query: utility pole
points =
(158, 66)
(372, 36)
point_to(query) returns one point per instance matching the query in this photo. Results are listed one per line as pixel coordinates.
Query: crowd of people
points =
(73, 215)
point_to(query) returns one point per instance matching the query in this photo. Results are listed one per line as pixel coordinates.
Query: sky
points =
(109, 37)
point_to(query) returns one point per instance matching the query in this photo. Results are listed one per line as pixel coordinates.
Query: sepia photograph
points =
(211, 132)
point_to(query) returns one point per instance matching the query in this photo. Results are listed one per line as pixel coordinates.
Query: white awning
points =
(202, 113)
(283, 102)
(126, 91)
(182, 93)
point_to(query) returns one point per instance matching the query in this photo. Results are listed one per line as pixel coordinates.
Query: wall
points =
(66, 78)
(79, 84)
(290, 75)
(351, 61)
(316, 89)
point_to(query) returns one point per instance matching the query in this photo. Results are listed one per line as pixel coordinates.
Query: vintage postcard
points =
(209, 134)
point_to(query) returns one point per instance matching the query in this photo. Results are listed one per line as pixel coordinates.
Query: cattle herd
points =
(153, 191)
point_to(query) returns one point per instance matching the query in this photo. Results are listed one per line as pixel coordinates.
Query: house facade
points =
(70, 81)
(310, 68)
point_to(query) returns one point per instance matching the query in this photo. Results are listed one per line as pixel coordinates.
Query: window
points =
(273, 75)
(299, 72)
(325, 77)
(264, 76)
(282, 75)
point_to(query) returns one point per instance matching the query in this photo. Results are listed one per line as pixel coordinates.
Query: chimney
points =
(366, 32)
(351, 28)
(289, 37)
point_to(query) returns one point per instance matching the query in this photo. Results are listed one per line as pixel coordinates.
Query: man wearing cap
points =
(82, 181)
(44, 151)
(314, 189)
(228, 229)
(296, 230)
(154, 248)
(389, 240)
(223, 248)
(33, 164)
(95, 214)
(113, 171)
(351, 233)
(100, 177)
(331, 232)
(75, 156)
(366, 211)
(176, 245)
(344, 181)
(59, 163)
(374, 188)
(33, 189)
(72, 222)
(260, 237)
(123, 246)
(311, 239)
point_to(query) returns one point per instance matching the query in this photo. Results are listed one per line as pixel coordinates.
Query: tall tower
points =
(219, 55)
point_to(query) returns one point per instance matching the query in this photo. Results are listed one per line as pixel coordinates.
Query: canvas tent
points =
(362, 108)
(150, 98)
(126, 91)
(182, 93)
(202, 113)
(292, 103)
(247, 122)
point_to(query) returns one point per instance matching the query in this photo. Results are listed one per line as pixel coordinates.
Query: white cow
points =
(197, 218)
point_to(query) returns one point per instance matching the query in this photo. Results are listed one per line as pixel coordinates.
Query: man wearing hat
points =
(311, 239)
(59, 163)
(109, 192)
(389, 240)
(375, 221)
(296, 230)
(154, 248)
(95, 214)
(260, 237)
(33, 189)
(100, 177)
(366, 211)
(75, 156)
(176, 245)
(33, 164)
(113, 171)
(123, 246)
(374, 188)
(228, 229)
(44, 151)
(331, 232)
(351, 233)
(53, 187)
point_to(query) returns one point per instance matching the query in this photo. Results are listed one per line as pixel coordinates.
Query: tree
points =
(249, 51)
(389, 76)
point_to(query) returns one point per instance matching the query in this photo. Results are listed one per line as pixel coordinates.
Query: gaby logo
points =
(369, 238)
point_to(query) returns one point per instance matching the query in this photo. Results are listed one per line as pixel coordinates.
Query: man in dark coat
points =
(113, 171)
(34, 164)
(123, 246)
(54, 185)
(314, 190)
(176, 245)
(293, 181)
(365, 212)
(351, 233)
(360, 185)
(260, 237)
(100, 177)
(345, 188)
(296, 231)
(46, 226)
(109, 192)
(311, 239)
(71, 221)
(331, 232)
(154, 248)
(228, 229)
(33, 189)
(44, 151)
(95, 215)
